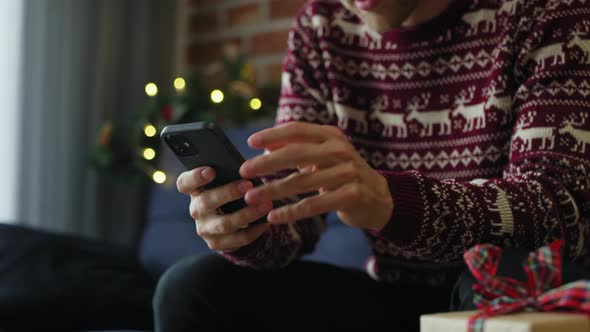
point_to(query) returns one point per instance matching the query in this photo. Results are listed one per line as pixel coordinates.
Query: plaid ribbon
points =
(496, 295)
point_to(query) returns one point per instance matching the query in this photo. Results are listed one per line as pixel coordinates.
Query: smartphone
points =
(205, 144)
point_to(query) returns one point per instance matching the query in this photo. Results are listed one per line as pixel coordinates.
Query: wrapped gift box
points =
(521, 322)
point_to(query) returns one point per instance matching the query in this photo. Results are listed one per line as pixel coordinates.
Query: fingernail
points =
(251, 196)
(273, 217)
(254, 140)
(245, 186)
(265, 207)
(244, 169)
(207, 174)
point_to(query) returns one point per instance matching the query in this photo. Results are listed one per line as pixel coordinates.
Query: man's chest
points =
(442, 110)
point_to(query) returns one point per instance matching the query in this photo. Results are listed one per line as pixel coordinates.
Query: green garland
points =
(129, 151)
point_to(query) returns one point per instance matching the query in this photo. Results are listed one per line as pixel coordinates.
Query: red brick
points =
(244, 15)
(270, 42)
(202, 53)
(275, 72)
(199, 54)
(282, 8)
(199, 3)
(203, 22)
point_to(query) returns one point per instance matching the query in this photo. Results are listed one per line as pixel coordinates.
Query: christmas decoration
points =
(543, 291)
(129, 151)
(507, 304)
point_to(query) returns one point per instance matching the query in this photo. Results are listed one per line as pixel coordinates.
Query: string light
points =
(179, 84)
(255, 104)
(150, 130)
(151, 89)
(149, 154)
(217, 96)
(159, 177)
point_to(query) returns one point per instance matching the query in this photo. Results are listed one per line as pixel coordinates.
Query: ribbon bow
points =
(496, 295)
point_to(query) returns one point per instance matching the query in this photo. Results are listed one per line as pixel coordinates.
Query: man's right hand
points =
(222, 232)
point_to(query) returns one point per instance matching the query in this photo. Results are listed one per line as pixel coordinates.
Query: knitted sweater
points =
(478, 119)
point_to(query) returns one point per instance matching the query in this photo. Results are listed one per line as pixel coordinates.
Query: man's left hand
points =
(328, 164)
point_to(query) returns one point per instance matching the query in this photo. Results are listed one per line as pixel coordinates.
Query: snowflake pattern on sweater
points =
(478, 119)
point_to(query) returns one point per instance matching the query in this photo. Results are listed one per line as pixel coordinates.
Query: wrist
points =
(388, 205)
(408, 214)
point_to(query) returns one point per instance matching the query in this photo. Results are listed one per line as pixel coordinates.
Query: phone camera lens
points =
(181, 145)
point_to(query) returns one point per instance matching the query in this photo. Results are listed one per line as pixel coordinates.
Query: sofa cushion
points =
(341, 245)
(55, 282)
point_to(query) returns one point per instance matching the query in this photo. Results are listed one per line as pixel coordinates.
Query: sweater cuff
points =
(248, 256)
(408, 208)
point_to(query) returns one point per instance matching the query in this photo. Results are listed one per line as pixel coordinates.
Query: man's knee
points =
(187, 277)
(196, 289)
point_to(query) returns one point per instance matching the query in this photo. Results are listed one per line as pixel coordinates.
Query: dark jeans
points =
(211, 294)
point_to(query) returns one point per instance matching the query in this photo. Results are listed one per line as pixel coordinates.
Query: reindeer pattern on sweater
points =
(478, 119)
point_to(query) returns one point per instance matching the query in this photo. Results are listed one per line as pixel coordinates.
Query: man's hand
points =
(226, 232)
(328, 164)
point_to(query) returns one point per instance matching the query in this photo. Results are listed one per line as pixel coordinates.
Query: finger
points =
(299, 183)
(237, 240)
(207, 202)
(307, 169)
(190, 181)
(299, 155)
(293, 132)
(316, 205)
(288, 157)
(231, 223)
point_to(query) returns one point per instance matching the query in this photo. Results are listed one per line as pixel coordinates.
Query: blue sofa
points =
(170, 235)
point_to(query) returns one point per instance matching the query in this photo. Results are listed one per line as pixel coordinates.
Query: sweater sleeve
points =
(544, 193)
(301, 100)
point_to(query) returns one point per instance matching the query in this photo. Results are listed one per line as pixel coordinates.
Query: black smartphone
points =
(201, 144)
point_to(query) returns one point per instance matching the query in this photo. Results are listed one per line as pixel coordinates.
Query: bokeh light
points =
(255, 104)
(151, 89)
(217, 96)
(149, 154)
(179, 83)
(159, 177)
(150, 130)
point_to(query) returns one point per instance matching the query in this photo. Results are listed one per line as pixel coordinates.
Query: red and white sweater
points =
(479, 120)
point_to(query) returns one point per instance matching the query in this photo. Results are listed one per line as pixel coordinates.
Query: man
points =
(432, 125)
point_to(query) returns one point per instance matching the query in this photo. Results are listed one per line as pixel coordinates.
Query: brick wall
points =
(259, 27)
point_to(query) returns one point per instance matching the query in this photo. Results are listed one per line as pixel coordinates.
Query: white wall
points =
(11, 21)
